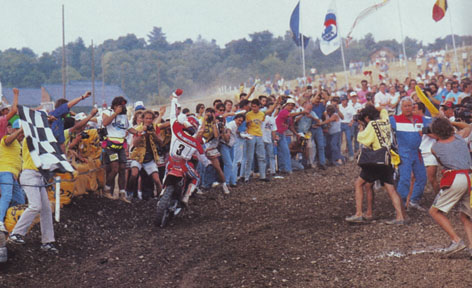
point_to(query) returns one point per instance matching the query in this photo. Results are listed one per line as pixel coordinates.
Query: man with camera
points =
(114, 156)
(145, 153)
(212, 129)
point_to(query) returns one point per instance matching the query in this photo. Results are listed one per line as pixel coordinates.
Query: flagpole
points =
(63, 57)
(453, 40)
(403, 39)
(303, 40)
(342, 49)
(303, 56)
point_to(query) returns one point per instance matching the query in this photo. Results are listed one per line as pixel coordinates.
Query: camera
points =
(84, 135)
(220, 123)
(102, 133)
(149, 128)
(123, 110)
(427, 90)
(426, 130)
(463, 112)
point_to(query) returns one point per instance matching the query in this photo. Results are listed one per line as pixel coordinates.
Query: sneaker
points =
(351, 158)
(264, 180)
(16, 239)
(355, 219)
(49, 247)
(140, 195)
(454, 248)
(395, 222)
(199, 191)
(416, 206)
(215, 184)
(2, 227)
(185, 200)
(225, 189)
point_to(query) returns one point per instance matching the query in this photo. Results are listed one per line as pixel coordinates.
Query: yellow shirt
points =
(10, 157)
(254, 123)
(90, 147)
(27, 160)
(369, 138)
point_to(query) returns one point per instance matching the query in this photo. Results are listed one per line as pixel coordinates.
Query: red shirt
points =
(283, 121)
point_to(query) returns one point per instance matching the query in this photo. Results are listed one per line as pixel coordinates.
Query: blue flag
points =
(295, 27)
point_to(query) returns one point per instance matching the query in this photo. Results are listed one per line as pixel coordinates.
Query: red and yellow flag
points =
(439, 9)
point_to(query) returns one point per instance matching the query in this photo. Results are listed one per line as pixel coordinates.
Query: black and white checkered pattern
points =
(42, 144)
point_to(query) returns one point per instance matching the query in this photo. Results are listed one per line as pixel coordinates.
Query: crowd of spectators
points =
(257, 137)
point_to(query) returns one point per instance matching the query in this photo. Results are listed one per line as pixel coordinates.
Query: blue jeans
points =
(11, 193)
(270, 158)
(283, 154)
(320, 144)
(255, 144)
(239, 149)
(228, 160)
(355, 131)
(208, 176)
(334, 146)
(347, 130)
(411, 162)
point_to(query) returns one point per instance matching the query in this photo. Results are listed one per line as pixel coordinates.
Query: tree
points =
(157, 40)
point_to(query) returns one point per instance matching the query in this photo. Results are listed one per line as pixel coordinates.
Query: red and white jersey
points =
(182, 145)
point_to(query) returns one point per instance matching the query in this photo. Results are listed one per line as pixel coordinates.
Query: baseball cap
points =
(290, 101)
(16, 124)
(353, 94)
(448, 105)
(344, 98)
(139, 105)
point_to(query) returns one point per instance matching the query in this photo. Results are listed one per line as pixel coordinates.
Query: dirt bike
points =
(176, 181)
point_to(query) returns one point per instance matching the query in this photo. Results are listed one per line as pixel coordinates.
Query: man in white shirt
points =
(346, 123)
(381, 99)
(355, 126)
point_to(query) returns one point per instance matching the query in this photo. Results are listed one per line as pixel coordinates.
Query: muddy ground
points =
(287, 233)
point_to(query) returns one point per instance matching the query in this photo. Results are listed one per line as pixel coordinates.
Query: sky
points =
(37, 23)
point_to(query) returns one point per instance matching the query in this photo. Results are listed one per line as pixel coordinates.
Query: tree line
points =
(151, 68)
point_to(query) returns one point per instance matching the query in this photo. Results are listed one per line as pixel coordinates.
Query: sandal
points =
(355, 219)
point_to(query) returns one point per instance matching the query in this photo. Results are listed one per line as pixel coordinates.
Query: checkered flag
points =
(42, 144)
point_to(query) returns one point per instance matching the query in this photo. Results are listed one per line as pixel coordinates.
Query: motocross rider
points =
(184, 144)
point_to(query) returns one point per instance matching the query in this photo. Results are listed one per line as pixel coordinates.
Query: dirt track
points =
(261, 235)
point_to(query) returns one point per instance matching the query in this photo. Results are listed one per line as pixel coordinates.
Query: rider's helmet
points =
(191, 125)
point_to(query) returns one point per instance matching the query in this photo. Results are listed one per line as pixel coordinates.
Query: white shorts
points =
(458, 192)
(149, 167)
(429, 159)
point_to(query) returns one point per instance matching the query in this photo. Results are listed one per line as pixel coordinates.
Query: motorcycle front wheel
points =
(163, 213)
